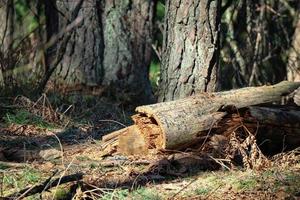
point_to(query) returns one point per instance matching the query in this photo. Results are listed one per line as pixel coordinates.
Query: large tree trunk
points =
(111, 47)
(81, 62)
(190, 48)
(127, 55)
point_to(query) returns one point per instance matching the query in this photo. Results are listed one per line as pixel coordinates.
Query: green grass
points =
(116, 194)
(289, 180)
(202, 191)
(31, 175)
(23, 117)
(145, 194)
(247, 184)
(17, 180)
(83, 158)
(141, 193)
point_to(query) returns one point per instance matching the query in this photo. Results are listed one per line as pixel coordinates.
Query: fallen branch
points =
(48, 184)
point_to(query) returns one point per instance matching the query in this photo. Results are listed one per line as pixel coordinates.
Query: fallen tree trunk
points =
(180, 123)
(277, 128)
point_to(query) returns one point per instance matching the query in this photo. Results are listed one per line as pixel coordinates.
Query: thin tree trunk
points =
(293, 70)
(6, 41)
(190, 48)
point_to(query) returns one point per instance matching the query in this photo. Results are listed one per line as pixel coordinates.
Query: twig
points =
(46, 185)
(13, 164)
(114, 121)
(62, 176)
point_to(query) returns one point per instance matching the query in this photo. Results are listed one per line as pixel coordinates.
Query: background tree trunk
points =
(190, 48)
(7, 15)
(127, 40)
(111, 47)
(81, 62)
(293, 69)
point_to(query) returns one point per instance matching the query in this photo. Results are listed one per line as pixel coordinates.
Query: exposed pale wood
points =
(182, 121)
(133, 142)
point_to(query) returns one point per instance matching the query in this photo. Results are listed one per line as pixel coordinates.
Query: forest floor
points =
(45, 156)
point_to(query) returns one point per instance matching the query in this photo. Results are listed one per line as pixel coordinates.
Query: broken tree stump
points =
(181, 123)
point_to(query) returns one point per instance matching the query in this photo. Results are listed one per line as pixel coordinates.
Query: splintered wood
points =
(142, 137)
(185, 122)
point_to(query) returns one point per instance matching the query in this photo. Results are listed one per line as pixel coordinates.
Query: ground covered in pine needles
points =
(51, 148)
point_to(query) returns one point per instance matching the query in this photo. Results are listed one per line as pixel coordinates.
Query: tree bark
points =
(127, 40)
(277, 128)
(181, 123)
(81, 61)
(7, 17)
(190, 48)
(293, 70)
(111, 47)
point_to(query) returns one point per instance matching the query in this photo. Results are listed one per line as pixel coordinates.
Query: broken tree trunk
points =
(180, 123)
(277, 128)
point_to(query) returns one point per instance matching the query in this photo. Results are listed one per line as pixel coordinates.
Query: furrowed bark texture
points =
(190, 48)
(81, 62)
(111, 47)
(127, 40)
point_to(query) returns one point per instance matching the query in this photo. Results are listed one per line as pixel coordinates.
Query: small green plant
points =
(247, 184)
(9, 181)
(93, 165)
(145, 194)
(202, 191)
(116, 194)
(17, 180)
(31, 175)
(23, 117)
(83, 158)
(139, 194)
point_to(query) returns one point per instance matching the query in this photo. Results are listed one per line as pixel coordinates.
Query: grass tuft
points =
(23, 117)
